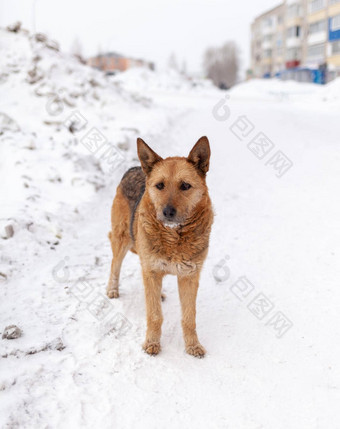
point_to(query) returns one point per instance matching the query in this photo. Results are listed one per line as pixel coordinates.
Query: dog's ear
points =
(148, 158)
(200, 156)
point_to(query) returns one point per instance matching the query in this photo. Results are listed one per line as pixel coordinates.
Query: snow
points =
(79, 362)
(168, 81)
(274, 89)
(331, 92)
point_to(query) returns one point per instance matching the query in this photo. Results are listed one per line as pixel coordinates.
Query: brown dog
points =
(163, 213)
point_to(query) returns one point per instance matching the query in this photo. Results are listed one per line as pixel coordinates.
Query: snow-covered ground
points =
(268, 304)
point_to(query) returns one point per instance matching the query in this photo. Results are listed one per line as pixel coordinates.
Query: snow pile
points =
(66, 131)
(141, 80)
(331, 92)
(279, 90)
(273, 90)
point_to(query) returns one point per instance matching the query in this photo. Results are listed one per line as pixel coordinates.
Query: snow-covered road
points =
(274, 248)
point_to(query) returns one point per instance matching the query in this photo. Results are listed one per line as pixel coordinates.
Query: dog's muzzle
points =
(169, 212)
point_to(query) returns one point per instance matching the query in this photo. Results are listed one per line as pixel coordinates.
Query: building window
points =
(316, 50)
(267, 38)
(293, 11)
(293, 54)
(336, 47)
(267, 22)
(279, 51)
(316, 5)
(267, 53)
(315, 27)
(294, 31)
(335, 23)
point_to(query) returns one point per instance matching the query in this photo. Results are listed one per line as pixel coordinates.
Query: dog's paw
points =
(112, 293)
(152, 348)
(197, 350)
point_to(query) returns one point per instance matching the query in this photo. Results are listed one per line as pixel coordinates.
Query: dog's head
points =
(175, 185)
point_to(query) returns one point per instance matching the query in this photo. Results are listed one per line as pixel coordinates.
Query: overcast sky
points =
(149, 29)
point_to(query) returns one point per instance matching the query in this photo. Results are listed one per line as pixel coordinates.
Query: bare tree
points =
(184, 68)
(172, 62)
(77, 50)
(222, 64)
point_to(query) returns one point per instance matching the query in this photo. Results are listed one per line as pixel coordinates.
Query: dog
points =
(162, 211)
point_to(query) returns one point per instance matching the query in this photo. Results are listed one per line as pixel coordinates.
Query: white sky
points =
(148, 29)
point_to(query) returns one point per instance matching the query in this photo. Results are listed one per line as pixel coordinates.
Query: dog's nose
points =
(169, 212)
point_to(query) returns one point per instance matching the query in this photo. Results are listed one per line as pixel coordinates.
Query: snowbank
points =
(273, 89)
(66, 131)
(331, 92)
(144, 81)
(278, 90)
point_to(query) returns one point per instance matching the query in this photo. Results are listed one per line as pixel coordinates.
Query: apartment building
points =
(299, 39)
(267, 42)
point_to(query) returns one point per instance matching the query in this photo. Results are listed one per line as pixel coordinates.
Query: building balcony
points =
(267, 44)
(314, 61)
(290, 2)
(268, 30)
(315, 6)
(293, 42)
(292, 64)
(267, 60)
(334, 28)
(334, 8)
(319, 37)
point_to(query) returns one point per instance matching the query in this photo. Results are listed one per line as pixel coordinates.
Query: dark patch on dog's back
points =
(133, 187)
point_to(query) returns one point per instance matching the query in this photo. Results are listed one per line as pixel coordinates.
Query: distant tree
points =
(184, 68)
(222, 64)
(172, 62)
(77, 50)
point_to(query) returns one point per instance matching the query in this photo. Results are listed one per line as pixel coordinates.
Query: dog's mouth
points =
(170, 224)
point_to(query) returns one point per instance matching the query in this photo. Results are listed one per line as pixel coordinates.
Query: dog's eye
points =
(185, 186)
(160, 186)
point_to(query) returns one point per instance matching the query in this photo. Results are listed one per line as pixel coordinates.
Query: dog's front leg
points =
(153, 288)
(188, 286)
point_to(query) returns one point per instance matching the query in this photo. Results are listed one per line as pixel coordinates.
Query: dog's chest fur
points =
(177, 259)
(171, 267)
(173, 251)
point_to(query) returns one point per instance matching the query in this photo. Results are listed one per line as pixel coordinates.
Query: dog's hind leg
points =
(120, 241)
